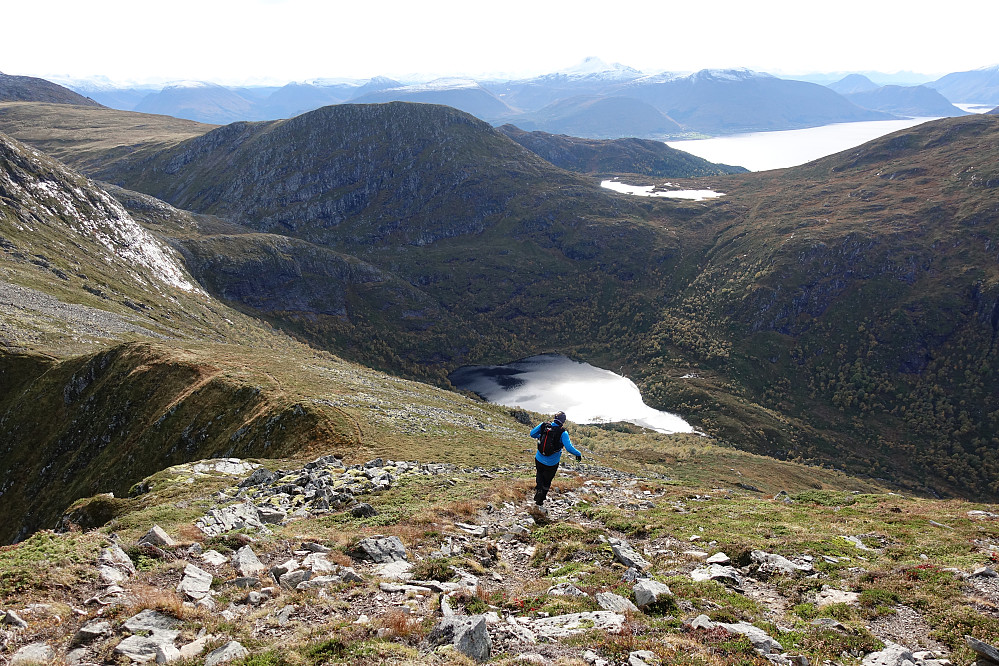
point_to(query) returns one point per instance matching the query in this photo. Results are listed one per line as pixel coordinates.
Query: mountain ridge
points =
(30, 89)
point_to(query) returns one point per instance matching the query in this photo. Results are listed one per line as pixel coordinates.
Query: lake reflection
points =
(551, 382)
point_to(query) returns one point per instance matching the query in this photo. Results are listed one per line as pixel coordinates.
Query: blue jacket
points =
(553, 459)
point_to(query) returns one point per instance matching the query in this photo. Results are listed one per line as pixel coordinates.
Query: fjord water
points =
(551, 382)
(759, 151)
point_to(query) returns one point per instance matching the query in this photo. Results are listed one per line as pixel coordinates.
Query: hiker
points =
(552, 438)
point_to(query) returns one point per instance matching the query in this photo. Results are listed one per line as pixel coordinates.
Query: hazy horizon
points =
(273, 42)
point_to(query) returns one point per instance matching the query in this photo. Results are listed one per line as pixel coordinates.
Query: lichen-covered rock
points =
(228, 652)
(382, 550)
(467, 634)
(648, 592)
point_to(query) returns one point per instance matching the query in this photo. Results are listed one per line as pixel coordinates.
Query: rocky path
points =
(498, 597)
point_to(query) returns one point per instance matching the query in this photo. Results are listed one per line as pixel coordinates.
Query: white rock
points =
(561, 626)
(394, 570)
(156, 536)
(214, 558)
(228, 652)
(196, 583)
(33, 653)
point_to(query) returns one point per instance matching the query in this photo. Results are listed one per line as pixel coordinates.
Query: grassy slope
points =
(854, 298)
(84, 137)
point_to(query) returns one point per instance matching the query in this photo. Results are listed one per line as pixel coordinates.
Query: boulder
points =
(291, 580)
(246, 563)
(13, 619)
(111, 575)
(317, 563)
(150, 620)
(985, 572)
(829, 595)
(769, 564)
(196, 583)
(271, 515)
(700, 622)
(628, 556)
(233, 517)
(317, 582)
(723, 574)
(92, 631)
(149, 648)
(567, 590)
(363, 510)
(474, 530)
(214, 558)
(718, 558)
(33, 653)
(113, 556)
(648, 592)
(467, 634)
(642, 658)
(762, 641)
(892, 655)
(383, 549)
(615, 602)
(985, 651)
(571, 624)
(394, 570)
(228, 652)
(157, 537)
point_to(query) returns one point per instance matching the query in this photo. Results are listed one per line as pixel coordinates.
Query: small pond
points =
(552, 382)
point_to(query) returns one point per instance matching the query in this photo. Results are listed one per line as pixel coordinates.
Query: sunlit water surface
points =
(759, 151)
(551, 382)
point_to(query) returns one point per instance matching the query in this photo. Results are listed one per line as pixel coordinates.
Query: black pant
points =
(543, 480)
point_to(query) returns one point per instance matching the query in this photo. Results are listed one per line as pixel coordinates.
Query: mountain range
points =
(592, 100)
(911, 101)
(841, 311)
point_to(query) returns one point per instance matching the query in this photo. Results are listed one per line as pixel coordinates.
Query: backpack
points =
(550, 440)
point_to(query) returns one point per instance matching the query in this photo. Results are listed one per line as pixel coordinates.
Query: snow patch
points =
(650, 191)
(107, 222)
(593, 67)
(439, 84)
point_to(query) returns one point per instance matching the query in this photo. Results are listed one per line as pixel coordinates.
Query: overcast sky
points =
(276, 41)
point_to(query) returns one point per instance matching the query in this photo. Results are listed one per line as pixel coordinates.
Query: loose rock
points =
(228, 652)
(648, 592)
(467, 634)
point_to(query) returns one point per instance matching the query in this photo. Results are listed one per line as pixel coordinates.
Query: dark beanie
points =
(560, 418)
